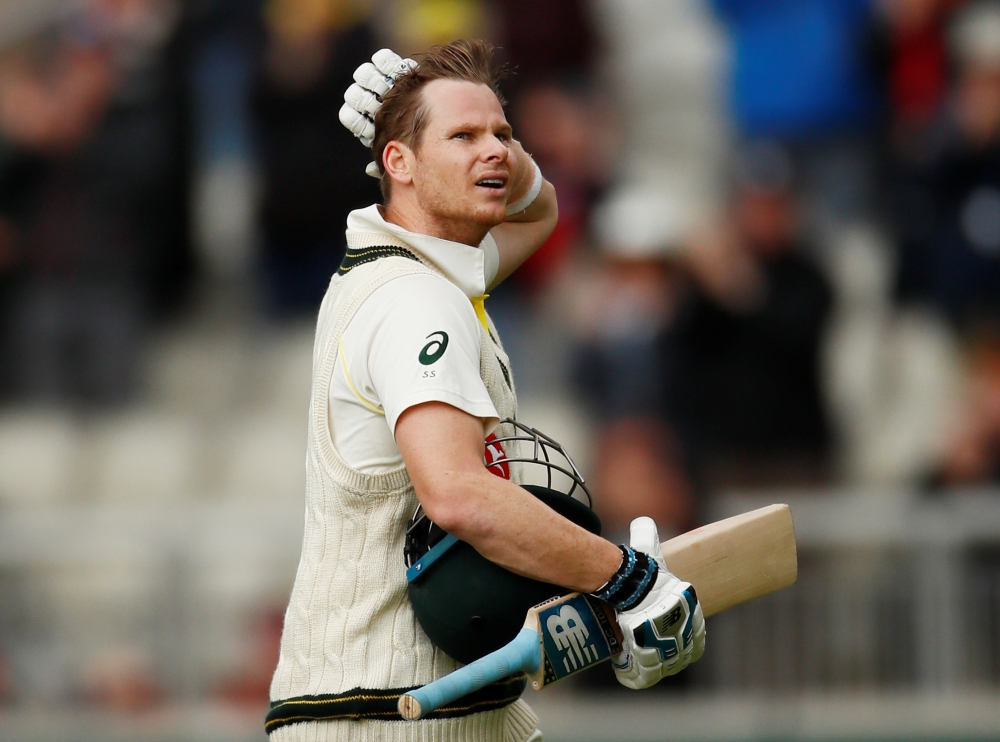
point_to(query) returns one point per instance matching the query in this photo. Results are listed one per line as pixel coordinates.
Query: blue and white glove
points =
(362, 100)
(662, 623)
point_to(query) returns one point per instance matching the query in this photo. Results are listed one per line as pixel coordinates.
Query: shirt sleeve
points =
(425, 348)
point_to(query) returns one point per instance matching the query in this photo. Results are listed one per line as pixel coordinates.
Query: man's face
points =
(766, 220)
(463, 166)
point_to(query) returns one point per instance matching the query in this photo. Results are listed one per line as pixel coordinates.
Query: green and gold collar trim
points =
(354, 258)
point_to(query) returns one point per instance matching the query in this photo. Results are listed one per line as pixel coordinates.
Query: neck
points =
(403, 213)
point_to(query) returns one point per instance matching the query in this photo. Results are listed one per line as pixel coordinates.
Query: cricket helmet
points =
(467, 605)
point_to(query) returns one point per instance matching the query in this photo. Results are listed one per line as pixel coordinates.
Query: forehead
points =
(458, 102)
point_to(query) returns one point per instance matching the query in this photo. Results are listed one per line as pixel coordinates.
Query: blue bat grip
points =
(523, 654)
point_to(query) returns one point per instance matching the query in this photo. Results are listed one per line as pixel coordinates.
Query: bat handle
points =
(523, 654)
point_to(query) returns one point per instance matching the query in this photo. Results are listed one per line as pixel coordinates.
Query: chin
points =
(476, 216)
(490, 216)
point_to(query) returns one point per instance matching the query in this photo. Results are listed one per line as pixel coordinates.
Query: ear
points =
(398, 161)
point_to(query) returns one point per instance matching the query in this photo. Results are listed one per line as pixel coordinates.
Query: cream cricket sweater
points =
(351, 643)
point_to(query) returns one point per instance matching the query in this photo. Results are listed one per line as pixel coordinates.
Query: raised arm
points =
(526, 231)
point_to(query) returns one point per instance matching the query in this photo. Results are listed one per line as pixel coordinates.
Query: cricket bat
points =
(728, 562)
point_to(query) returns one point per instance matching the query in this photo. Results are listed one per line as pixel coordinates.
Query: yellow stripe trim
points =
(340, 699)
(343, 365)
(479, 304)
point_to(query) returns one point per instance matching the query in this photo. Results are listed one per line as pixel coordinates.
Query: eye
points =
(461, 135)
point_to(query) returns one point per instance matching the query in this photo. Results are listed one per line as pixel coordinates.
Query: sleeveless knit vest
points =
(351, 644)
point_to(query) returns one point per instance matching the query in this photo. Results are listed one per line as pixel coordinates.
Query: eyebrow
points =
(468, 126)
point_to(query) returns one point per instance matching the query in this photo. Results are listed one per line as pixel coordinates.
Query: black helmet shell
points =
(469, 606)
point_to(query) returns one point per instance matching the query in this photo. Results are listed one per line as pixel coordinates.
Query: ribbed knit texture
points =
(349, 623)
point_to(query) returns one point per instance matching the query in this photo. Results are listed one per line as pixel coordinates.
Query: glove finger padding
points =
(358, 124)
(391, 64)
(644, 537)
(362, 100)
(371, 79)
(698, 629)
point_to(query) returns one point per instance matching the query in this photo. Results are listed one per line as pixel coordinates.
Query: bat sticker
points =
(573, 639)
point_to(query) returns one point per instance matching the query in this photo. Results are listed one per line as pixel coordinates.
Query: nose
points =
(495, 150)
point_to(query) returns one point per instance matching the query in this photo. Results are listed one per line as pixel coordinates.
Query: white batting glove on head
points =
(372, 80)
(665, 632)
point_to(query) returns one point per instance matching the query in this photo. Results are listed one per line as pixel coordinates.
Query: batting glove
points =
(664, 628)
(372, 80)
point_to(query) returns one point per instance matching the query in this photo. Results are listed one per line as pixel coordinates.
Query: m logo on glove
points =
(667, 623)
(660, 633)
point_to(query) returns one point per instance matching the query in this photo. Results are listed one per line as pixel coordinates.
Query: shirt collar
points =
(463, 265)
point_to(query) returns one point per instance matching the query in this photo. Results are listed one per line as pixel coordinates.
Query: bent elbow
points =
(448, 516)
(453, 508)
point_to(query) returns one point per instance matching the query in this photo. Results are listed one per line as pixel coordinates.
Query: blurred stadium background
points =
(776, 277)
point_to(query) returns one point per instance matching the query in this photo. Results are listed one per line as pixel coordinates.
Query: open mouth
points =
(492, 183)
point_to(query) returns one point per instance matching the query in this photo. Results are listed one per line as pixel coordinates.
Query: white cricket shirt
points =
(414, 340)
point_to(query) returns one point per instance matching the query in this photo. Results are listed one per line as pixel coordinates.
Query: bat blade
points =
(737, 559)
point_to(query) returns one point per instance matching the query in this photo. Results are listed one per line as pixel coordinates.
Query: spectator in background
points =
(892, 369)
(662, 71)
(561, 126)
(314, 172)
(947, 211)
(745, 383)
(13, 172)
(951, 241)
(909, 51)
(146, 130)
(625, 305)
(86, 198)
(972, 454)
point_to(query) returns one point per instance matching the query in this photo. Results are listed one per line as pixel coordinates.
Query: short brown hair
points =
(403, 114)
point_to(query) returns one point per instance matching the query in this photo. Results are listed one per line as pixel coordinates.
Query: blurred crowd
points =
(777, 261)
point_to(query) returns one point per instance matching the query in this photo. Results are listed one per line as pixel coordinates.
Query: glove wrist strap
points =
(536, 187)
(631, 582)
